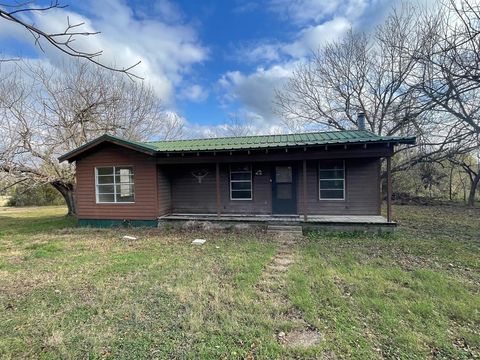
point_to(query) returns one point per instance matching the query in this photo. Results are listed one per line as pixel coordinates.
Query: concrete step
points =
(284, 229)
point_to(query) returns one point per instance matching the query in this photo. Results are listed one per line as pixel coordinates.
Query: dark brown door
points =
(284, 189)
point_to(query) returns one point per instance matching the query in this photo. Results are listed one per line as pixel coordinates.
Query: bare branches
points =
(64, 40)
(46, 112)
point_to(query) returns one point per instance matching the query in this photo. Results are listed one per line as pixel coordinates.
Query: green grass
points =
(67, 292)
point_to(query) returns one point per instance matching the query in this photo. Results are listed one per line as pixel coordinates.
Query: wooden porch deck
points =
(293, 219)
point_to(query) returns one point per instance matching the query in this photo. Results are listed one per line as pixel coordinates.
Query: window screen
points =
(240, 182)
(114, 184)
(332, 180)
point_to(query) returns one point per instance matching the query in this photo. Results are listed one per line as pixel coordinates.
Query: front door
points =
(284, 190)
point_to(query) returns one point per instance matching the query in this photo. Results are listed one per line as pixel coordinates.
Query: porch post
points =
(217, 183)
(389, 189)
(305, 193)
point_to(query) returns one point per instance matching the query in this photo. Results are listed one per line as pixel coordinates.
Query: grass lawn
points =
(84, 293)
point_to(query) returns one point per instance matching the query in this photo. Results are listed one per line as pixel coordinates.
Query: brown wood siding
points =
(362, 192)
(145, 173)
(164, 192)
(190, 196)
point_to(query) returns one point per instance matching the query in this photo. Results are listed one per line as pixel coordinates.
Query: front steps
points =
(294, 230)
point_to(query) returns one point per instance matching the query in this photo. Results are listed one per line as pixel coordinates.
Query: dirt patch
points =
(283, 261)
(303, 338)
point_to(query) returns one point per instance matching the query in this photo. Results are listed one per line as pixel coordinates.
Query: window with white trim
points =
(240, 182)
(114, 184)
(331, 180)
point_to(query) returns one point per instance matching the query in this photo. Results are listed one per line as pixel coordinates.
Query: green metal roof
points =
(245, 142)
(275, 141)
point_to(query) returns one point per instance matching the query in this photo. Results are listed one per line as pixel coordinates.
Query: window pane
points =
(106, 198)
(124, 179)
(241, 185)
(241, 194)
(331, 174)
(105, 189)
(240, 167)
(124, 190)
(284, 191)
(105, 171)
(331, 194)
(130, 198)
(331, 184)
(240, 176)
(105, 179)
(283, 174)
(123, 170)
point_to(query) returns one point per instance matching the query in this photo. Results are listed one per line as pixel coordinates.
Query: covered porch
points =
(375, 223)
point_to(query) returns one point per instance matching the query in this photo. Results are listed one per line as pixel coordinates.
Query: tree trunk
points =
(68, 193)
(473, 189)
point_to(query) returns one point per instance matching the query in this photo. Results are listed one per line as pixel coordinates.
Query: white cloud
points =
(314, 36)
(318, 22)
(167, 50)
(194, 93)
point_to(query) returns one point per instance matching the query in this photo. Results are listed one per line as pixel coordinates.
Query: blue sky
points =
(210, 60)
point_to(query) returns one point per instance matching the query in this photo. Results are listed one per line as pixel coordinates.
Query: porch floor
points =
(314, 219)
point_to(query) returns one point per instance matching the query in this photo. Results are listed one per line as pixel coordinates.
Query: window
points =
(114, 184)
(332, 180)
(241, 182)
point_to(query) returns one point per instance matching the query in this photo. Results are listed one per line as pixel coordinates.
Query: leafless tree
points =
(46, 112)
(17, 12)
(375, 74)
(448, 74)
(236, 126)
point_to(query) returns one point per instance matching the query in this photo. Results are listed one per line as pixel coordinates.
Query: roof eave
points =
(74, 154)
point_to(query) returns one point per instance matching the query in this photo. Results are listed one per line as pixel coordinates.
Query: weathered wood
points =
(305, 192)
(217, 185)
(298, 155)
(389, 189)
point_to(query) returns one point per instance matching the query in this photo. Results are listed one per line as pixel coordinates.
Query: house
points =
(329, 178)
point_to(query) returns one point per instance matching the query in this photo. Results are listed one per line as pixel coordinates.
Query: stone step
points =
(285, 229)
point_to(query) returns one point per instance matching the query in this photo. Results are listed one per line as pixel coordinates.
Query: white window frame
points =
(238, 181)
(114, 185)
(320, 188)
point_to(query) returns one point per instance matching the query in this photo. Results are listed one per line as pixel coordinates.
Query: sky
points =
(209, 61)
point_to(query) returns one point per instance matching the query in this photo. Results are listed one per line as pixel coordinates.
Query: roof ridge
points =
(258, 136)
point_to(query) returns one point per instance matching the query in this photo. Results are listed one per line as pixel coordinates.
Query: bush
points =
(24, 195)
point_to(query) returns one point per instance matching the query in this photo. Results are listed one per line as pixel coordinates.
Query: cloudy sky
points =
(208, 60)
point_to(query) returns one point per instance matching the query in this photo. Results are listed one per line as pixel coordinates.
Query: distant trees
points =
(45, 112)
(418, 73)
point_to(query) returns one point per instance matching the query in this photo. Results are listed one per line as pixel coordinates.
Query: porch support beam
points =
(217, 185)
(389, 189)
(305, 192)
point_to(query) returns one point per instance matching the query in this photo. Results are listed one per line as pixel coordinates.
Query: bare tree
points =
(374, 74)
(236, 126)
(448, 75)
(17, 13)
(45, 112)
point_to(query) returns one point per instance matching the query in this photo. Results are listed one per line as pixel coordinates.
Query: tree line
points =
(418, 73)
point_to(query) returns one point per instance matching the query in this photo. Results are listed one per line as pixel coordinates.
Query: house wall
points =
(163, 192)
(147, 201)
(190, 196)
(362, 191)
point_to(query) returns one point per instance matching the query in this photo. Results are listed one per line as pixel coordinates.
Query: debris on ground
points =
(130, 238)
(199, 241)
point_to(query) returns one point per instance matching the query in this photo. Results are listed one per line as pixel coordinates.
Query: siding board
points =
(146, 199)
